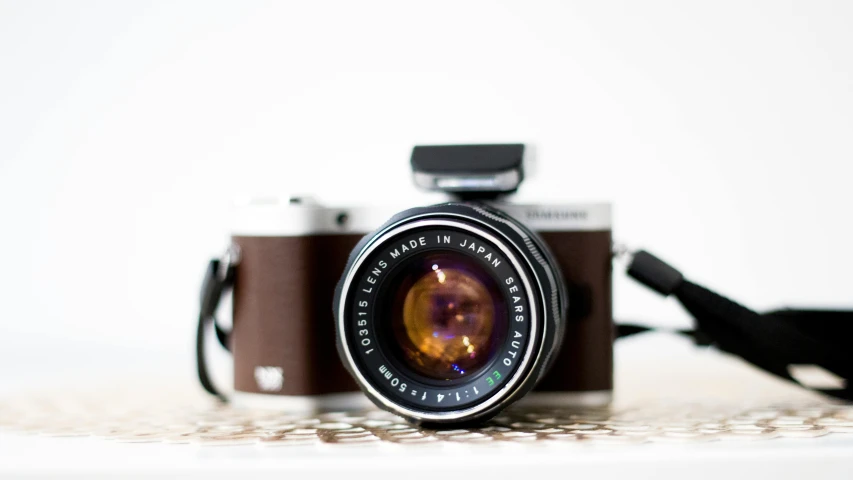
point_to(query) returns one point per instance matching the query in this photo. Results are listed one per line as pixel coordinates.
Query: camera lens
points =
(447, 314)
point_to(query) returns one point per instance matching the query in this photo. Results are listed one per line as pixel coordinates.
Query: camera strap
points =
(809, 347)
(218, 279)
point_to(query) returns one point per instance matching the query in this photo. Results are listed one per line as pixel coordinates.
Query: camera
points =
(442, 314)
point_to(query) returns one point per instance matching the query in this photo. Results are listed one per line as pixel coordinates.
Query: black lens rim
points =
(542, 286)
(387, 289)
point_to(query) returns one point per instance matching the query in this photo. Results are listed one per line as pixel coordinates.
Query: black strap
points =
(772, 341)
(217, 279)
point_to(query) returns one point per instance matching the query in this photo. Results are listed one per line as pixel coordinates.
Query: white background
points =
(721, 131)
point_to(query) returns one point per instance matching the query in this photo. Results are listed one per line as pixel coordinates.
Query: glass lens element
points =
(449, 317)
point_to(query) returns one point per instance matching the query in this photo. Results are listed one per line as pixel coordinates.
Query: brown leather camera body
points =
(292, 255)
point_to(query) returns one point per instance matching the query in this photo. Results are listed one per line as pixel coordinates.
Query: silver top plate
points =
(282, 218)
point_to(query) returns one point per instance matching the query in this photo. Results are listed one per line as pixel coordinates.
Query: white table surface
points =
(641, 376)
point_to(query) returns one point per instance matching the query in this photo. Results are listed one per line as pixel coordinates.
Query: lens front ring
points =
(541, 329)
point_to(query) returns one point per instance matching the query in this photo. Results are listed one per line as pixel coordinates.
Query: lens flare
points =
(450, 316)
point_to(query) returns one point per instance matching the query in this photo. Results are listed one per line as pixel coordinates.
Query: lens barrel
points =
(449, 313)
